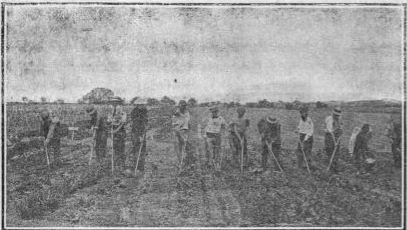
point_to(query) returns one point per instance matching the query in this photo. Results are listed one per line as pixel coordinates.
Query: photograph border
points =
(4, 4)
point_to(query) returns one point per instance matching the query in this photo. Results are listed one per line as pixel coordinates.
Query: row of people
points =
(211, 130)
(270, 132)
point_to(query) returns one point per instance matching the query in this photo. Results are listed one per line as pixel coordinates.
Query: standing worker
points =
(215, 125)
(361, 149)
(99, 129)
(139, 121)
(238, 139)
(116, 122)
(333, 132)
(305, 130)
(394, 133)
(270, 131)
(180, 124)
(51, 131)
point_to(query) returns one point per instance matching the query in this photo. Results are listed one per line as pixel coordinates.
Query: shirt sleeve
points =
(51, 130)
(329, 124)
(311, 127)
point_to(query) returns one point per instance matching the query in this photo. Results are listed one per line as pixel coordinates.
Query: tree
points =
(251, 104)
(152, 101)
(98, 96)
(43, 100)
(167, 100)
(192, 102)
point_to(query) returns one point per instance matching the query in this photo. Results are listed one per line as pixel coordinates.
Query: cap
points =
(337, 111)
(90, 109)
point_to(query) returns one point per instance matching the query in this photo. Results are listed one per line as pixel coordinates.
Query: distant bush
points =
(320, 105)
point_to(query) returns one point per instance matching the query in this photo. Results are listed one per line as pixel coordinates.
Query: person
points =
(352, 140)
(394, 133)
(305, 129)
(333, 132)
(180, 124)
(270, 131)
(117, 121)
(237, 136)
(50, 129)
(215, 125)
(361, 150)
(99, 131)
(139, 121)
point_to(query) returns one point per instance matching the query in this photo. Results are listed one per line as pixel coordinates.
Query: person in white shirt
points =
(180, 124)
(305, 130)
(352, 140)
(333, 132)
(215, 126)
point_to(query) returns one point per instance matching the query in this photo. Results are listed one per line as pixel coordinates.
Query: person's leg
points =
(277, 151)
(135, 152)
(300, 157)
(142, 156)
(329, 146)
(264, 156)
(308, 151)
(245, 154)
(217, 149)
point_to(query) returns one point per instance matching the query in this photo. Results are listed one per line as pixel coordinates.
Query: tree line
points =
(102, 95)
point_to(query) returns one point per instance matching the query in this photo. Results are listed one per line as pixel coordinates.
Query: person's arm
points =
(329, 124)
(42, 129)
(309, 130)
(51, 132)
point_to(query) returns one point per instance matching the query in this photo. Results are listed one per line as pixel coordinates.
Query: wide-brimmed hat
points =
(213, 108)
(90, 109)
(271, 120)
(44, 113)
(337, 111)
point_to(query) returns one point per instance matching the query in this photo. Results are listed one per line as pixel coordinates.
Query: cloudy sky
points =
(220, 53)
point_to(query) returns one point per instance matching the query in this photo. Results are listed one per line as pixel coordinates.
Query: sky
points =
(209, 53)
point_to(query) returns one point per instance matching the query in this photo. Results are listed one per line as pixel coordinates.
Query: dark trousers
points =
(137, 144)
(100, 145)
(54, 150)
(396, 150)
(307, 148)
(213, 147)
(276, 148)
(119, 140)
(329, 150)
(236, 148)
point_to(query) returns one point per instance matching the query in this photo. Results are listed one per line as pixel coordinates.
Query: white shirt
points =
(329, 121)
(181, 122)
(214, 125)
(352, 139)
(306, 127)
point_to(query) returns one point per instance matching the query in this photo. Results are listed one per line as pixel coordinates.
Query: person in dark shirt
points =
(139, 121)
(99, 130)
(50, 129)
(270, 131)
(361, 150)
